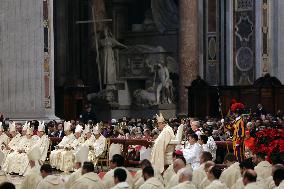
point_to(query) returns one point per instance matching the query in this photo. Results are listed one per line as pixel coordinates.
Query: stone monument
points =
(143, 86)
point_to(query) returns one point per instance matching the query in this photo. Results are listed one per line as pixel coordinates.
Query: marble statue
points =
(108, 43)
(144, 98)
(164, 88)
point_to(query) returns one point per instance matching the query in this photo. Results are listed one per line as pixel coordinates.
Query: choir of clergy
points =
(171, 165)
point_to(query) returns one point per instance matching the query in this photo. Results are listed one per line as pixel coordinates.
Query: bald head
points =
(185, 175)
(249, 176)
(178, 164)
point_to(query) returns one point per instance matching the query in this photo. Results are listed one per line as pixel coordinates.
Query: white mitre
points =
(160, 119)
(29, 131)
(12, 126)
(87, 129)
(34, 153)
(78, 129)
(41, 127)
(26, 126)
(82, 154)
(67, 125)
(96, 129)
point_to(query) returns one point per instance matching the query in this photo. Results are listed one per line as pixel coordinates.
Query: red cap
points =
(179, 152)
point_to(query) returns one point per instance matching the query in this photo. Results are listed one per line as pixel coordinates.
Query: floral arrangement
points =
(270, 142)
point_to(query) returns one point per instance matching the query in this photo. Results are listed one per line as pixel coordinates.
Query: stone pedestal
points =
(106, 113)
(188, 49)
(26, 59)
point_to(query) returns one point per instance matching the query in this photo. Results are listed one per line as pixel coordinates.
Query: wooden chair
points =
(104, 159)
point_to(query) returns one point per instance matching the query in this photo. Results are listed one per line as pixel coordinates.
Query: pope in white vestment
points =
(162, 150)
(55, 155)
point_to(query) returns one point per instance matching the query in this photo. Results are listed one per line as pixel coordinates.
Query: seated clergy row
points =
(63, 157)
(15, 149)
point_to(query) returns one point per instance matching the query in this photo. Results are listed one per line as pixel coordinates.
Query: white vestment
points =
(32, 179)
(90, 142)
(88, 181)
(281, 185)
(122, 185)
(139, 180)
(263, 169)
(51, 182)
(253, 185)
(108, 178)
(4, 139)
(18, 162)
(216, 184)
(67, 157)
(185, 185)
(212, 147)
(198, 175)
(230, 175)
(192, 155)
(270, 183)
(152, 183)
(43, 144)
(73, 177)
(162, 152)
(204, 183)
(99, 147)
(55, 155)
(169, 172)
(240, 185)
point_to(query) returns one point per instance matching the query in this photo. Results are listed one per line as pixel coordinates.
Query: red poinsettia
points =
(270, 142)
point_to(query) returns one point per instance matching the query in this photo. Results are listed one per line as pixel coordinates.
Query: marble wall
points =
(23, 89)
(277, 39)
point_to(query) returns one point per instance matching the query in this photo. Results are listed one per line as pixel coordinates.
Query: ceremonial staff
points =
(222, 115)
